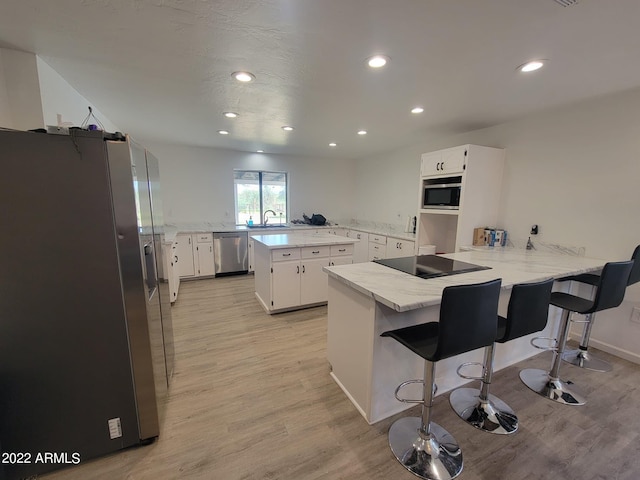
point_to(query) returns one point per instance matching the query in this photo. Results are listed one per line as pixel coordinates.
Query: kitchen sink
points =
(279, 225)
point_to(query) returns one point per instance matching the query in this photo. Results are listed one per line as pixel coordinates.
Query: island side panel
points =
(350, 330)
(262, 275)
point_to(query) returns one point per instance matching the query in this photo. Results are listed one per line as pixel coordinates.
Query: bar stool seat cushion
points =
(421, 339)
(571, 302)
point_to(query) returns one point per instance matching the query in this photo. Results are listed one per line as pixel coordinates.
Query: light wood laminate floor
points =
(251, 398)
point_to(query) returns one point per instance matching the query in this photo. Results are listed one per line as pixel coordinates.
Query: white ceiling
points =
(161, 69)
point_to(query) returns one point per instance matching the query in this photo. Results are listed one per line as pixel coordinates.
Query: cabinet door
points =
(360, 248)
(205, 260)
(313, 281)
(451, 160)
(285, 284)
(184, 254)
(397, 247)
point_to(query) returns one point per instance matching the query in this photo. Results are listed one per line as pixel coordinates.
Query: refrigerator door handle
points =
(150, 264)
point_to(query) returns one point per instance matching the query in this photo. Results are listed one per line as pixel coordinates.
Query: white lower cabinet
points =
(285, 289)
(313, 281)
(195, 255)
(290, 278)
(377, 246)
(184, 254)
(361, 248)
(397, 247)
(204, 259)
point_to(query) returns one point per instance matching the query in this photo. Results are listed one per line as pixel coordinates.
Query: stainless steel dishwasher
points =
(230, 252)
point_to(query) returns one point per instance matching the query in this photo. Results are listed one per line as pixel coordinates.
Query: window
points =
(258, 192)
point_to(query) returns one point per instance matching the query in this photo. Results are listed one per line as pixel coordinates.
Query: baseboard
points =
(613, 350)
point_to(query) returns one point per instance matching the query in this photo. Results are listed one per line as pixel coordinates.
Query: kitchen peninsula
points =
(289, 268)
(367, 299)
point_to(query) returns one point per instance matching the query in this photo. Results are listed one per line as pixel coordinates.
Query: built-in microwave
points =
(442, 193)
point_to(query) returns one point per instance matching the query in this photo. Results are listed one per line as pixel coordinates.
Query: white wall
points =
(197, 182)
(574, 171)
(58, 97)
(20, 106)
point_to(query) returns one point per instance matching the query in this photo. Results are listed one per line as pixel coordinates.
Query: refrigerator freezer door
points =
(130, 186)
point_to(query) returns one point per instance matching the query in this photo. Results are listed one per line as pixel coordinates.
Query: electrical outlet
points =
(635, 315)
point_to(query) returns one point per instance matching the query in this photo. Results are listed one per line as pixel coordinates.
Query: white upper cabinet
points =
(444, 162)
(480, 170)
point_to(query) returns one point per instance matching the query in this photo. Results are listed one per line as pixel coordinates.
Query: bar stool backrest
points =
(528, 309)
(468, 318)
(611, 288)
(634, 276)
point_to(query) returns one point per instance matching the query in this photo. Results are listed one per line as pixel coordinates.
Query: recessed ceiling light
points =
(223, 132)
(417, 110)
(531, 66)
(243, 76)
(230, 114)
(259, 151)
(333, 144)
(287, 128)
(362, 132)
(377, 61)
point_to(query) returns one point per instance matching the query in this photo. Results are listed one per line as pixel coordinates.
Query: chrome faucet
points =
(265, 216)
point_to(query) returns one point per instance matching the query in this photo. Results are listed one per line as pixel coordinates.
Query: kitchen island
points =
(367, 299)
(289, 268)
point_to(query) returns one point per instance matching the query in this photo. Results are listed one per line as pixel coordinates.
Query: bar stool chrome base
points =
(493, 416)
(435, 456)
(554, 389)
(583, 359)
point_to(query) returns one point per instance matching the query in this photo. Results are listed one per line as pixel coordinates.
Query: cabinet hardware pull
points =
(176, 258)
(298, 269)
(303, 270)
(286, 254)
(342, 249)
(316, 251)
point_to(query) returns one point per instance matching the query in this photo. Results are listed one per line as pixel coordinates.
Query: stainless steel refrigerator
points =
(86, 341)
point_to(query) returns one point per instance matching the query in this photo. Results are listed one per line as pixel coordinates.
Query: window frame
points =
(260, 192)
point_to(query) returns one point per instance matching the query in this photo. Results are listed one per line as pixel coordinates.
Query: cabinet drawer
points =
(313, 252)
(282, 254)
(204, 237)
(380, 239)
(338, 250)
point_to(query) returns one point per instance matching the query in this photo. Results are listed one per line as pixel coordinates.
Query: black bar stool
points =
(582, 357)
(468, 320)
(527, 313)
(609, 294)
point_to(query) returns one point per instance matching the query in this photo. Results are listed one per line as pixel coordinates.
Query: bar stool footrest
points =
(470, 364)
(553, 347)
(412, 400)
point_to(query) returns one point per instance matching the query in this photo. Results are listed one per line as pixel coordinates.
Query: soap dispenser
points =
(250, 220)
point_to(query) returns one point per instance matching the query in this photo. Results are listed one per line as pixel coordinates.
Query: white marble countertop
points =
(298, 239)
(170, 230)
(404, 292)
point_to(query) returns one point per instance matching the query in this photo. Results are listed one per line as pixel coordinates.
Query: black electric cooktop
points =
(430, 266)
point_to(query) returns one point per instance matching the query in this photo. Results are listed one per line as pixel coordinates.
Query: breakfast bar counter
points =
(367, 299)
